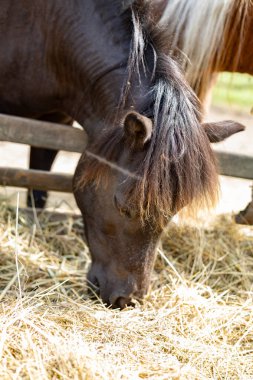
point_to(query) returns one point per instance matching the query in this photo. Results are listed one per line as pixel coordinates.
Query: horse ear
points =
(137, 128)
(219, 131)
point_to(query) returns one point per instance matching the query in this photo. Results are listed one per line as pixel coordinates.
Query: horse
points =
(106, 65)
(211, 36)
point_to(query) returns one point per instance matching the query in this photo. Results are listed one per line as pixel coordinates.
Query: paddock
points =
(106, 309)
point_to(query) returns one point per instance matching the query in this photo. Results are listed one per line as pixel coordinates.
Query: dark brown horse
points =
(106, 65)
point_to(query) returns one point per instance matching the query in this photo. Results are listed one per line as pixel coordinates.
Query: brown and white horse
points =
(210, 36)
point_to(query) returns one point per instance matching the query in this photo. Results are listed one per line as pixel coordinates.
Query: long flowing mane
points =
(179, 167)
(206, 31)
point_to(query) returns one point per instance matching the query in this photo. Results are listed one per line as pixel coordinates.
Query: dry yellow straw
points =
(196, 322)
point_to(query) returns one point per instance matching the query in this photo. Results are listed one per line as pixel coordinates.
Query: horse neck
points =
(97, 51)
(238, 42)
(234, 52)
(88, 38)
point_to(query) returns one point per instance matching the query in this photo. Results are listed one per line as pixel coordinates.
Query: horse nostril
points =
(121, 302)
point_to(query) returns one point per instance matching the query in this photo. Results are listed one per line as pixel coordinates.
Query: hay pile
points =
(196, 323)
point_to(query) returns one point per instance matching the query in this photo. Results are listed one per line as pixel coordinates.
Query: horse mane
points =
(205, 31)
(179, 167)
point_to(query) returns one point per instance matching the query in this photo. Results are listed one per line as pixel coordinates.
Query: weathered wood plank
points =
(35, 179)
(235, 165)
(42, 134)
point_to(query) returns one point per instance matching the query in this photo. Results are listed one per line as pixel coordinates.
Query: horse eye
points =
(124, 211)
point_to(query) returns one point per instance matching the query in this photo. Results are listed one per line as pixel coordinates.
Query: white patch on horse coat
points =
(197, 26)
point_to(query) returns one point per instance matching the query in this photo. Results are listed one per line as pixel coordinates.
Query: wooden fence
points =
(61, 137)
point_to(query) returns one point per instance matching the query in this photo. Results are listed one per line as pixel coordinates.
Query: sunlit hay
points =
(196, 323)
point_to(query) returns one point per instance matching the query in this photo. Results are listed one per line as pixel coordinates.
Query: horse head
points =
(123, 231)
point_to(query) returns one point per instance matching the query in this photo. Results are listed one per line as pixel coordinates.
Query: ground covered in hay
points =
(196, 323)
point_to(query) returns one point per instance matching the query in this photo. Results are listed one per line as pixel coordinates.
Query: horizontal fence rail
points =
(42, 134)
(60, 137)
(235, 165)
(36, 179)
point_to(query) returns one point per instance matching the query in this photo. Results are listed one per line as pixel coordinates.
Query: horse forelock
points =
(204, 31)
(178, 167)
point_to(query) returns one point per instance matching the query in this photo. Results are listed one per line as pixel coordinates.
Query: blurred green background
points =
(234, 90)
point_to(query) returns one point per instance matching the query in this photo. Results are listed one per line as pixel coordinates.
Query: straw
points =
(195, 323)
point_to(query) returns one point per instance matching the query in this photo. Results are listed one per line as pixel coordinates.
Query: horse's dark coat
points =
(96, 64)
